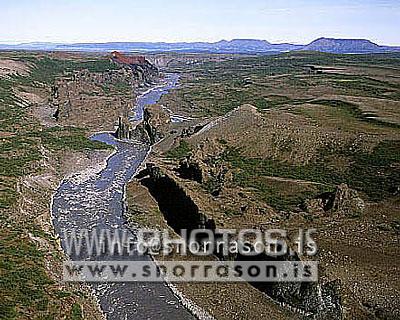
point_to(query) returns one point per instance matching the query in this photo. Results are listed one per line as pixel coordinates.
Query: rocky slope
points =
(200, 176)
(50, 104)
(96, 99)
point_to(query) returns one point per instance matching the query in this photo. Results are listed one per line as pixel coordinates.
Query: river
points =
(95, 201)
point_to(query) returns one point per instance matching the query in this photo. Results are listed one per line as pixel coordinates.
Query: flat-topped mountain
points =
(343, 46)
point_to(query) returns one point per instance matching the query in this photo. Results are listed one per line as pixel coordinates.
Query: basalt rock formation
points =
(347, 201)
(204, 165)
(155, 121)
(317, 300)
(154, 126)
(96, 99)
(92, 99)
(182, 211)
(344, 201)
(143, 70)
(124, 128)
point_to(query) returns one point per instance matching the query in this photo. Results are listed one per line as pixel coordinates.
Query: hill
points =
(344, 46)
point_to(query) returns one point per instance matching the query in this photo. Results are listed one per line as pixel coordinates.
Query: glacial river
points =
(94, 201)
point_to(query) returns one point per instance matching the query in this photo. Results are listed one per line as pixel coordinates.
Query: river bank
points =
(94, 201)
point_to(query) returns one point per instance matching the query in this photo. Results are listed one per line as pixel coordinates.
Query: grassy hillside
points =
(27, 289)
(324, 118)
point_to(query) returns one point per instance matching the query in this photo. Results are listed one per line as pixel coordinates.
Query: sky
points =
(295, 21)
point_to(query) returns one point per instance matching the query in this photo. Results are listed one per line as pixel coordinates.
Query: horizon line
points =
(181, 41)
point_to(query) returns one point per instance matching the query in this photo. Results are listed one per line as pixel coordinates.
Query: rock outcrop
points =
(143, 70)
(92, 99)
(182, 211)
(124, 128)
(344, 201)
(178, 208)
(155, 125)
(205, 165)
(156, 122)
(317, 300)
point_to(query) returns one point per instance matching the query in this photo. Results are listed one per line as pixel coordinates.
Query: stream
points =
(95, 201)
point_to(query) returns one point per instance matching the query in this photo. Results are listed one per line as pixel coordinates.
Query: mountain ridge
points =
(250, 46)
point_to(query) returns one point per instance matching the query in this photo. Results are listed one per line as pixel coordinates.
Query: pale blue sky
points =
(297, 21)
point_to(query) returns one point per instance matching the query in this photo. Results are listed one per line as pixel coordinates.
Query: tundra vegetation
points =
(29, 290)
(355, 97)
(300, 139)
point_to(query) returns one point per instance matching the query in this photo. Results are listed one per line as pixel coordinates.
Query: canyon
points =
(212, 141)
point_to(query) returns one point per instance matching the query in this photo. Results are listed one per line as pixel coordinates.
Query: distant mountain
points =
(344, 46)
(236, 45)
(223, 46)
(243, 46)
(31, 46)
(251, 45)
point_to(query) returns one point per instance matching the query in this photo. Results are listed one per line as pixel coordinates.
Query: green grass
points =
(284, 196)
(232, 213)
(20, 152)
(46, 69)
(275, 101)
(376, 173)
(27, 290)
(251, 172)
(68, 138)
(180, 152)
(276, 81)
(76, 312)
(211, 185)
(215, 88)
(354, 111)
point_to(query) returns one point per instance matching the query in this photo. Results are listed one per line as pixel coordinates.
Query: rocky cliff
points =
(143, 71)
(97, 98)
(156, 123)
(343, 201)
(182, 208)
(94, 100)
